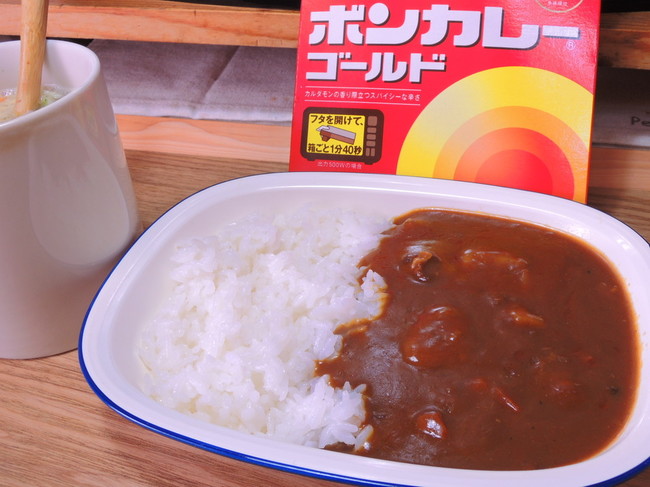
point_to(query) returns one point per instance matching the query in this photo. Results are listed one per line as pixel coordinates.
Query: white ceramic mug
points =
(67, 207)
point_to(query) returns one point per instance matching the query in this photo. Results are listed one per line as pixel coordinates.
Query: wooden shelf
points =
(625, 40)
(625, 37)
(163, 21)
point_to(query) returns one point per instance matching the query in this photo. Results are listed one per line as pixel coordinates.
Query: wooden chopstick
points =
(32, 54)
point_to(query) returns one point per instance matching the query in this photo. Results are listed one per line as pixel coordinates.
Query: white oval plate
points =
(136, 286)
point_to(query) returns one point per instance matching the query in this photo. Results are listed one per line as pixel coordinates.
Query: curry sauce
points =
(501, 345)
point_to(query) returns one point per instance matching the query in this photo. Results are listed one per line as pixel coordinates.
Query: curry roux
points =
(501, 345)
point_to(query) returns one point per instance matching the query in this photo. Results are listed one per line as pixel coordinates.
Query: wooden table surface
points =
(54, 431)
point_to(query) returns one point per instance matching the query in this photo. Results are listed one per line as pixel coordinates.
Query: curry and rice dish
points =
(444, 338)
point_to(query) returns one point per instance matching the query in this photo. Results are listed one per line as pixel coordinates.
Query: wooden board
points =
(625, 37)
(164, 21)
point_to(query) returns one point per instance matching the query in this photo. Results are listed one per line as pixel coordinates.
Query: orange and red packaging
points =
(498, 92)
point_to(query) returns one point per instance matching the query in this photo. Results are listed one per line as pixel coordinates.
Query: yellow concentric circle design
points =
(539, 114)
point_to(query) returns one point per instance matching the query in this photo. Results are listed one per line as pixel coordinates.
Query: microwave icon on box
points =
(342, 134)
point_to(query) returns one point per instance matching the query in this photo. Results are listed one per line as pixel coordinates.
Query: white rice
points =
(253, 308)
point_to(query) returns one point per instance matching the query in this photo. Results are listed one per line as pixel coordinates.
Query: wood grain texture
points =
(619, 184)
(620, 168)
(624, 37)
(205, 138)
(161, 180)
(625, 40)
(164, 21)
(55, 432)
